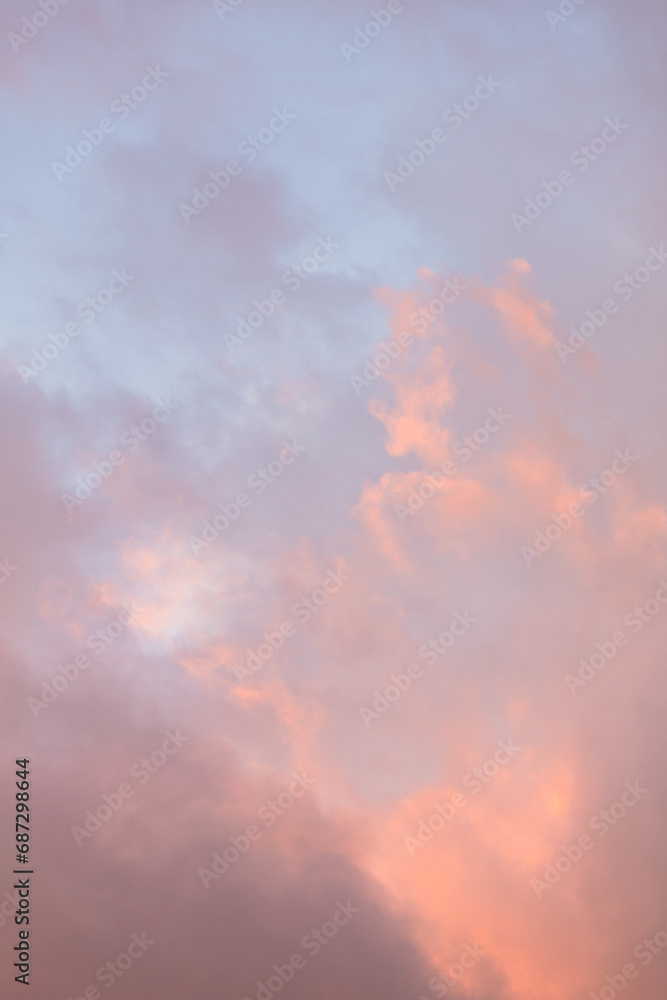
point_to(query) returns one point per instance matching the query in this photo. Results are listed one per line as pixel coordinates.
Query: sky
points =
(333, 577)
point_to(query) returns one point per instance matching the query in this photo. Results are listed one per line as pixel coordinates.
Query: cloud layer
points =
(334, 584)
